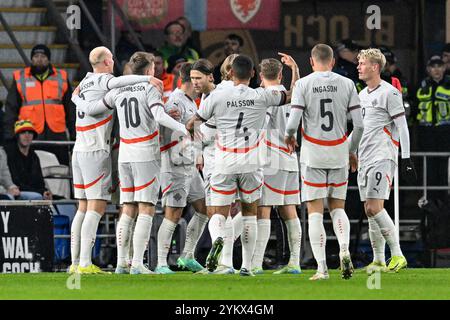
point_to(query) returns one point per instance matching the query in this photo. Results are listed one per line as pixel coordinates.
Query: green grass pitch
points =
(407, 284)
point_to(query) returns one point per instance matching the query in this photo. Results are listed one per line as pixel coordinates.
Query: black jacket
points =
(25, 171)
(14, 103)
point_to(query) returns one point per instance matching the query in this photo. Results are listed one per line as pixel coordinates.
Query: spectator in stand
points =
(24, 164)
(42, 94)
(446, 58)
(176, 43)
(347, 62)
(126, 46)
(8, 190)
(167, 78)
(232, 45)
(191, 38)
(433, 113)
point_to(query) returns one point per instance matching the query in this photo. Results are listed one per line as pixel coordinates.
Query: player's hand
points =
(291, 143)
(157, 83)
(14, 191)
(199, 163)
(288, 60)
(47, 195)
(76, 91)
(408, 170)
(175, 114)
(353, 162)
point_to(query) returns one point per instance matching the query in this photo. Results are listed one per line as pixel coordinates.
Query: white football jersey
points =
(139, 132)
(240, 113)
(380, 139)
(277, 153)
(176, 156)
(93, 132)
(326, 99)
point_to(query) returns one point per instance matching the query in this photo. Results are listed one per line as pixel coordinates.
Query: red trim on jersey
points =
(168, 146)
(324, 185)
(86, 186)
(328, 143)
(389, 181)
(285, 192)
(240, 150)
(133, 189)
(390, 135)
(167, 188)
(95, 125)
(141, 139)
(250, 191)
(272, 145)
(224, 191)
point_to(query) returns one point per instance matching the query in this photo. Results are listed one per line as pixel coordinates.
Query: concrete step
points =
(9, 68)
(23, 16)
(15, 3)
(29, 34)
(9, 53)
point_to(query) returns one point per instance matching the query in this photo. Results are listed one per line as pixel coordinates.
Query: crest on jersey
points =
(146, 11)
(245, 10)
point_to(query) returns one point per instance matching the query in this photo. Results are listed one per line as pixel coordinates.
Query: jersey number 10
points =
(130, 119)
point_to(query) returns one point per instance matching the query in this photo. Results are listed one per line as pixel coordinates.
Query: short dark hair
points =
(242, 67)
(140, 61)
(237, 38)
(185, 72)
(157, 53)
(171, 23)
(204, 66)
(322, 53)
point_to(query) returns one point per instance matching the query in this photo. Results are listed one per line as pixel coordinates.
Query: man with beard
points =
(41, 93)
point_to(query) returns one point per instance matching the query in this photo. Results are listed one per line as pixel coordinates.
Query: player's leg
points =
(127, 217)
(196, 198)
(77, 222)
(96, 169)
(249, 192)
(294, 231)
(141, 236)
(376, 238)
(174, 199)
(123, 236)
(263, 235)
(288, 193)
(314, 190)
(379, 180)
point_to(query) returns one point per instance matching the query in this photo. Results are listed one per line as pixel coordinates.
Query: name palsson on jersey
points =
(240, 103)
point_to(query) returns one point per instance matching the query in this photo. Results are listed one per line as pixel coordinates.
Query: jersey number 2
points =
(324, 113)
(130, 119)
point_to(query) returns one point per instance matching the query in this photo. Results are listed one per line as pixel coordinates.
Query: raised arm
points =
(117, 82)
(164, 119)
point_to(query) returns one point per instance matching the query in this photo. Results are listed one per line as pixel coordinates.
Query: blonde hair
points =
(226, 66)
(374, 56)
(270, 68)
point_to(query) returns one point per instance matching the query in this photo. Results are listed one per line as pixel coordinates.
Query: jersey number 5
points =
(328, 114)
(130, 105)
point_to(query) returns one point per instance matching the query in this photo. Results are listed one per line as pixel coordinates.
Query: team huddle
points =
(237, 149)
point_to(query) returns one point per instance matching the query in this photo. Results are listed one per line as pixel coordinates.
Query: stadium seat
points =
(61, 226)
(54, 174)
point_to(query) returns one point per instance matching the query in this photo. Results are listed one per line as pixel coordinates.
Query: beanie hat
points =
(40, 48)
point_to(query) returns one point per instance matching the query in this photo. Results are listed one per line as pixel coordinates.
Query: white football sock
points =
(226, 259)
(140, 238)
(166, 230)
(318, 239)
(263, 235)
(193, 232)
(387, 229)
(248, 239)
(88, 235)
(75, 237)
(341, 227)
(130, 243)
(294, 231)
(216, 226)
(377, 241)
(123, 239)
(237, 225)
